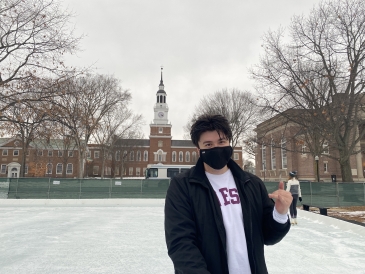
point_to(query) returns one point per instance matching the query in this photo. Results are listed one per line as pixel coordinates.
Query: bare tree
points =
(86, 101)
(319, 71)
(237, 106)
(116, 125)
(34, 36)
(25, 122)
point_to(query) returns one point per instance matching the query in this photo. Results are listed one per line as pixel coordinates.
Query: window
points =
(95, 170)
(5, 152)
(96, 154)
(3, 169)
(145, 156)
(284, 163)
(144, 171)
(40, 152)
(124, 171)
(187, 156)
(303, 149)
(273, 155)
(117, 156)
(116, 171)
(138, 171)
(110, 156)
(70, 153)
(153, 172)
(108, 170)
(130, 171)
(16, 153)
(160, 143)
(125, 153)
(26, 169)
(50, 153)
(59, 168)
(131, 156)
(171, 172)
(181, 156)
(88, 154)
(325, 167)
(160, 156)
(263, 155)
(49, 168)
(27, 153)
(235, 156)
(138, 155)
(194, 157)
(69, 169)
(160, 130)
(174, 156)
(60, 153)
(325, 148)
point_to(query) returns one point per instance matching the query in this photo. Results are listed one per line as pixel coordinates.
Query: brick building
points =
(128, 158)
(280, 151)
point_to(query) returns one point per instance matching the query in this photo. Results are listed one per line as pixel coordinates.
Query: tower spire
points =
(161, 81)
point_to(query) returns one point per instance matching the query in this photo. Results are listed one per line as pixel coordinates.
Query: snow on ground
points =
(129, 238)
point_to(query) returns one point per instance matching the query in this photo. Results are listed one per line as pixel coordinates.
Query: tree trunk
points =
(346, 171)
(81, 163)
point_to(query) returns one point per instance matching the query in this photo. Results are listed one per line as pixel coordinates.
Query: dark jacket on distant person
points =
(194, 229)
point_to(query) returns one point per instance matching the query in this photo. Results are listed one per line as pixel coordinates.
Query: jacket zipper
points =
(251, 234)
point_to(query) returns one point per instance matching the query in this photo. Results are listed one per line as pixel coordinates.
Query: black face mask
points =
(216, 157)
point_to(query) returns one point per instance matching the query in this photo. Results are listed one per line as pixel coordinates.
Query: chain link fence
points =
(328, 194)
(61, 188)
(313, 193)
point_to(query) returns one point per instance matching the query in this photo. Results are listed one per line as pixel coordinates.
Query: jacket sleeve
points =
(273, 231)
(180, 231)
(288, 184)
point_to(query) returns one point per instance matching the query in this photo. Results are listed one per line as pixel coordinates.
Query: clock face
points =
(161, 114)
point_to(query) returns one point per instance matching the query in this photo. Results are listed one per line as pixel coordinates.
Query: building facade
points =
(280, 151)
(128, 158)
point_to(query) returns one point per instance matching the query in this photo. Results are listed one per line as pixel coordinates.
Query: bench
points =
(322, 210)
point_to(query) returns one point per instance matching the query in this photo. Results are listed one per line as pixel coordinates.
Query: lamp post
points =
(264, 168)
(317, 159)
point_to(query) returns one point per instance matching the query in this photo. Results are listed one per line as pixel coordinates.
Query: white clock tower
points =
(161, 109)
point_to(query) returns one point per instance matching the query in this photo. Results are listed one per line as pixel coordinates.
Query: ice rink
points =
(127, 236)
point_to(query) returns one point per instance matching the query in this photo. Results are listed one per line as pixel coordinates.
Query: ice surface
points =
(130, 239)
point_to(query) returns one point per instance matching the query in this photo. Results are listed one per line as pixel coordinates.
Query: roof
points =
(161, 91)
(182, 143)
(133, 142)
(54, 144)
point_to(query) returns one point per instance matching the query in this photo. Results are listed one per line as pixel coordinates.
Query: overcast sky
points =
(204, 46)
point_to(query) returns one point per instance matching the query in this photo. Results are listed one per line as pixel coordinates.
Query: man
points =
(218, 217)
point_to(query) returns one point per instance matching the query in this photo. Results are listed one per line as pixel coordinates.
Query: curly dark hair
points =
(210, 122)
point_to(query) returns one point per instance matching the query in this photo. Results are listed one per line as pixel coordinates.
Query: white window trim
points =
(57, 172)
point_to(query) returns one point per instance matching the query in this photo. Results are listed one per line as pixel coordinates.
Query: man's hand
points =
(282, 198)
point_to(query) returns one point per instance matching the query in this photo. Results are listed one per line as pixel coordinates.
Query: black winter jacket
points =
(194, 229)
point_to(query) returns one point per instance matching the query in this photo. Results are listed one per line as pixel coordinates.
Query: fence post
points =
(141, 186)
(49, 186)
(110, 188)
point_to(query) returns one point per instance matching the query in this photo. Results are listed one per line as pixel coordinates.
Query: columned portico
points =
(13, 170)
